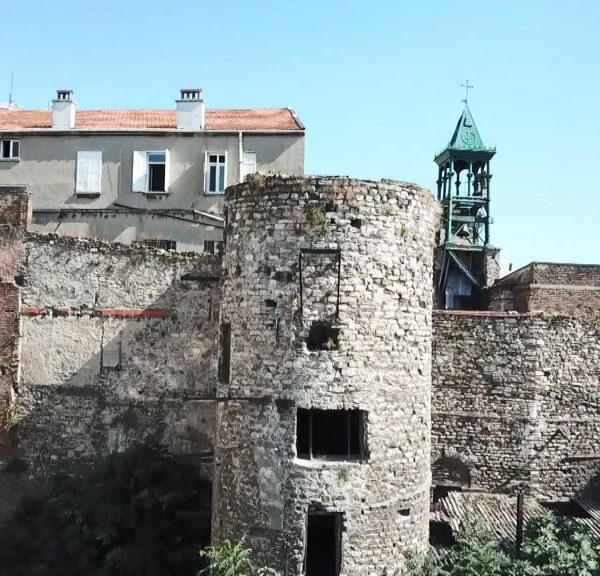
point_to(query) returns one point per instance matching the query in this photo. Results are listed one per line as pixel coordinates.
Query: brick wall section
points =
(516, 399)
(385, 232)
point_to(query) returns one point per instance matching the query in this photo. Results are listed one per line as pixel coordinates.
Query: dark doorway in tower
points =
(323, 544)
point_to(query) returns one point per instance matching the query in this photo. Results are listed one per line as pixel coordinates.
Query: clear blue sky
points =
(377, 85)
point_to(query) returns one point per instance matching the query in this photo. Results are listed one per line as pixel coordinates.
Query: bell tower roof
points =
(466, 136)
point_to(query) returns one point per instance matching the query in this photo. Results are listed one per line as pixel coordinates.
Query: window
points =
(151, 172)
(225, 356)
(216, 172)
(10, 150)
(89, 173)
(213, 247)
(248, 164)
(161, 244)
(331, 434)
(111, 356)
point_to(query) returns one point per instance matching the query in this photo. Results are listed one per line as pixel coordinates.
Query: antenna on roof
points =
(12, 85)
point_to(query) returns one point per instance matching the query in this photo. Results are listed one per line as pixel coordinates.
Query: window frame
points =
(361, 455)
(12, 157)
(81, 157)
(135, 182)
(207, 166)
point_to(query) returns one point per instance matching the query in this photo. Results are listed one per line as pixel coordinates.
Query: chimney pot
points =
(63, 110)
(190, 109)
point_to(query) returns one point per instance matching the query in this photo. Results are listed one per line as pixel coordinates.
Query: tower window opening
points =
(225, 359)
(323, 553)
(331, 434)
(322, 336)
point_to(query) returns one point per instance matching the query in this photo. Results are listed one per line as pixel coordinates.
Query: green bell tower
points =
(466, 263)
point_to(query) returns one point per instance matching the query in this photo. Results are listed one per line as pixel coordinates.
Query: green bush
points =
(552, 546)
(128, 515)
(232, 559)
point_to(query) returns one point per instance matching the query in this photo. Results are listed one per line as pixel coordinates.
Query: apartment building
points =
(151, 176)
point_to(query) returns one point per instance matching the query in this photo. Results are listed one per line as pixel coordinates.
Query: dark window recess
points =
(6, 148)
(323, 554)
(331, 434)
(440, 534)
(225, 358)
(163, 244)
(322, 336)
(156, 178)
(214, 247)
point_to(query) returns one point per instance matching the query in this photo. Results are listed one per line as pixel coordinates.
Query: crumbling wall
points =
(117, 345)
(571, 290)
(357, 257)
(515, 398)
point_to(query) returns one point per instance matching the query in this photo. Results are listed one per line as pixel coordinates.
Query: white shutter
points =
(206, 171)
(249, 164)
(167, 169)
(140, 167)
(89, 172)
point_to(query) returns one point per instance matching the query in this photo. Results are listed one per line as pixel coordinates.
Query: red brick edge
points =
(103, 312)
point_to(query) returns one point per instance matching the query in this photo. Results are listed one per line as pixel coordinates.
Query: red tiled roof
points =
(250, 119)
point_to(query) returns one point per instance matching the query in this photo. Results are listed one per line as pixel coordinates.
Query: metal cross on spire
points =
(466, 87)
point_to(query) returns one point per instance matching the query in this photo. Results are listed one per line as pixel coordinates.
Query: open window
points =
(89, 172)
(215, 168)
(225, 353)
(323, 549)
(151, 172)
(331, 434)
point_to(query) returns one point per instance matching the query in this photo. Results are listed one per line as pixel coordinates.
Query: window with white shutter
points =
(89, 172)
(150, 172)
(248, 164)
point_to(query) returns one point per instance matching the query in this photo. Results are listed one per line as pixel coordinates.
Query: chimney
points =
(190, 109)
(63, 110)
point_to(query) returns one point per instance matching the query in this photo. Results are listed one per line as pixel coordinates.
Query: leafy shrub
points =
(232, 559)
(126, 516)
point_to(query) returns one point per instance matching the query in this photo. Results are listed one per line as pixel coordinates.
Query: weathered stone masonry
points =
(116, 344)
(380, 363)
(517, 400)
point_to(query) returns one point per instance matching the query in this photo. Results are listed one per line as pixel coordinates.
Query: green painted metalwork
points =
(466, 136)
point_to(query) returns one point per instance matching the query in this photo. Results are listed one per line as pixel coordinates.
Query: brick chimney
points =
(190, 109)
(63, 110)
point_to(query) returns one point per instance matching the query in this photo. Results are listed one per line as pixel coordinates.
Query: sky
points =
(377, 85)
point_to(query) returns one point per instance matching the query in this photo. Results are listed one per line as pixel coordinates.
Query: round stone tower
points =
(322, 457)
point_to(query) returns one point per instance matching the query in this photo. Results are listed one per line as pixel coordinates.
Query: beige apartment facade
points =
(153, 176)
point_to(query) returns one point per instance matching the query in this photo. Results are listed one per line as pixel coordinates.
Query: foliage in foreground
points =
(232, 559)
(123, 517)
(552, 546)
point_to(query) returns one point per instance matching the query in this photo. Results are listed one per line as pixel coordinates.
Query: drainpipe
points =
(240, 156)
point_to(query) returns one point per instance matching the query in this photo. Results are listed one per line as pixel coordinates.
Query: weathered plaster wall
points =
(385, 232)
(516, 400)
(117, 345)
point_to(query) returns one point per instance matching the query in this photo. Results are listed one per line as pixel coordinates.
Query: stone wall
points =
(117, 344)
(357, 257)
(516, 401)
(560, 289)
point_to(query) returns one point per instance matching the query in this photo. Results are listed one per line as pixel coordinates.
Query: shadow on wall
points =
(96, 380)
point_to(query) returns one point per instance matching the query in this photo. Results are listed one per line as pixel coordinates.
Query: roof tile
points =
(218, 119)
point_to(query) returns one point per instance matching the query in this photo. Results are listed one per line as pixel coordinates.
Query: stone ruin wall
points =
(116, 344)
(571, 290)
(516, 398)
(382, 364)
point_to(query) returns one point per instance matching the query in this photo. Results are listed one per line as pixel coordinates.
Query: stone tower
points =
(322, 456)
(466, 263)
